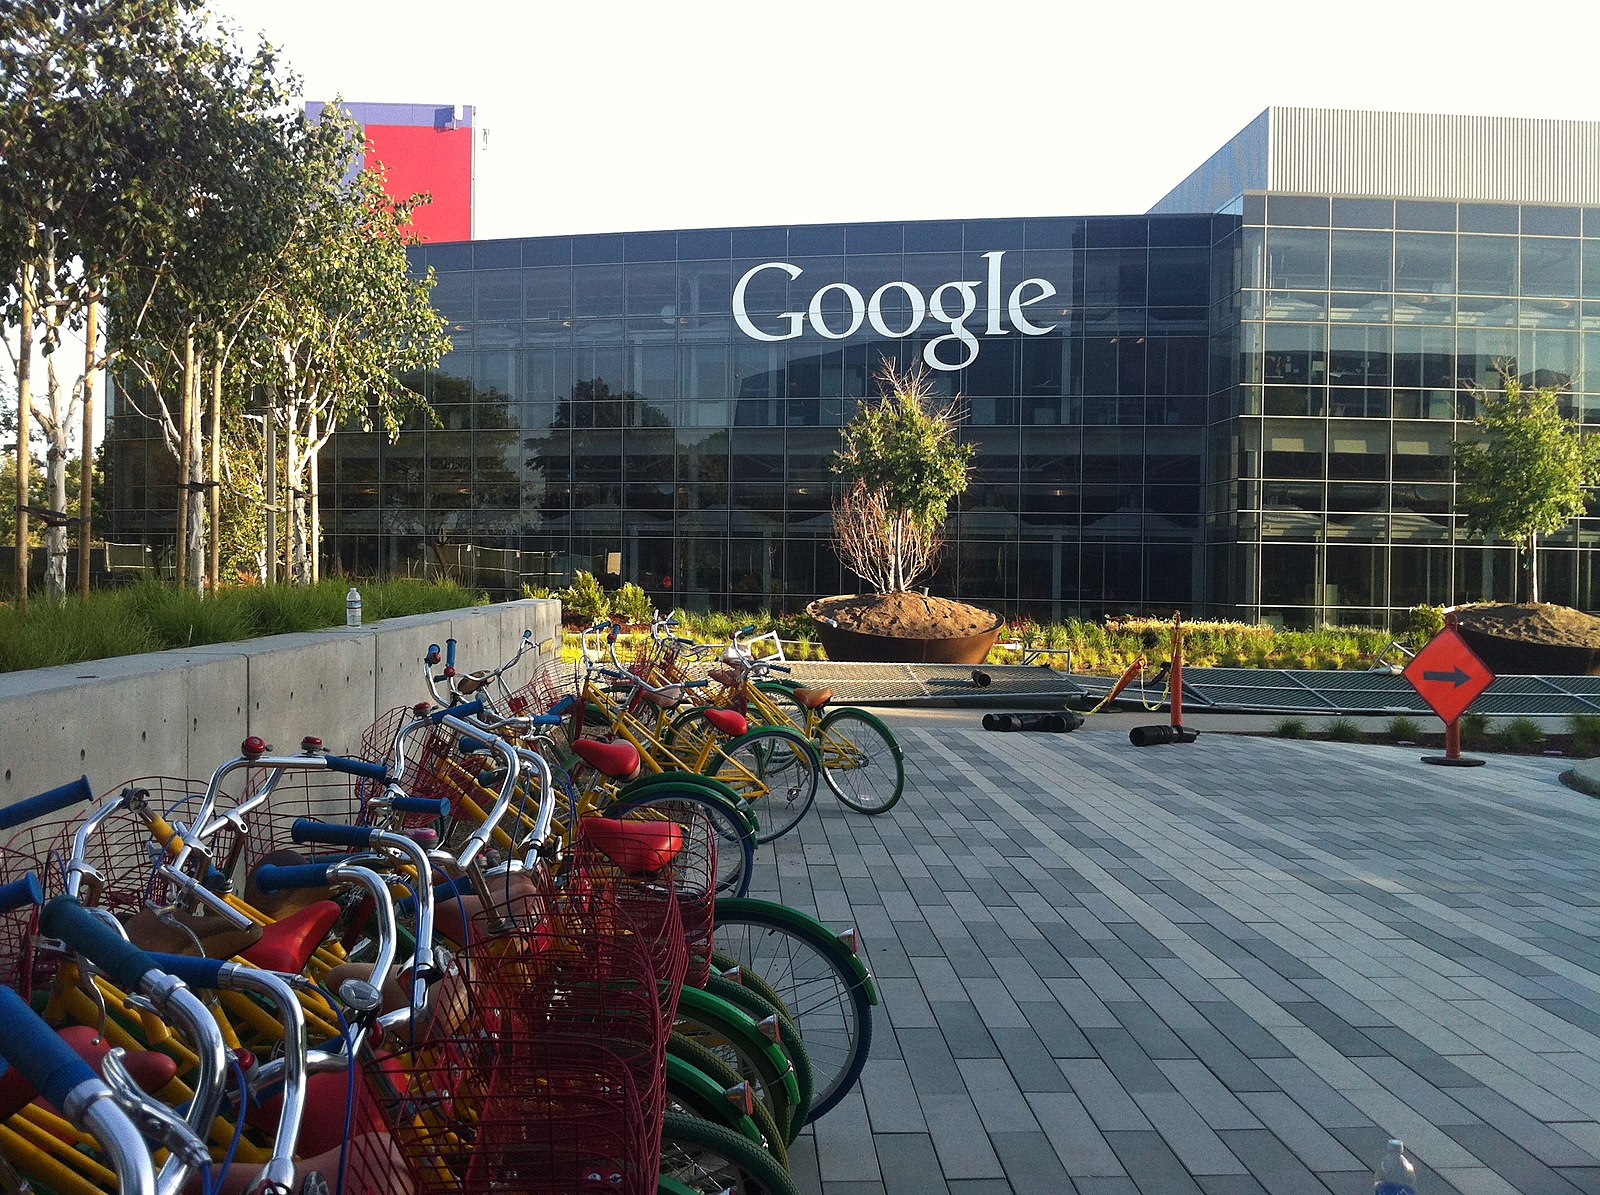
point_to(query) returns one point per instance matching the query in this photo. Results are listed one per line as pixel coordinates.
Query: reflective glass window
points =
(1296, 353)
(598, 290)
(1297, 258)
(1489, 217)
(1359, 356)
(1358, 450)
(1363, 213)
(1115, 277)
(1550, 266)
(1305, 210)
(1425, 216)
(1179, 277)
(1539, 220)
(1362, 260)
(1488, 265)
(1424, 264)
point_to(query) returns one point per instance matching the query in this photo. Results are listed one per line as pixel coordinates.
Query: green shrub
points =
(1421, 623)
(632, 605)
(1291, 728)
(1520, 734)
(1405, 729)
(1474, 730)
(585, 602)
(1344, 730)
(535, 591)
(1586, 735)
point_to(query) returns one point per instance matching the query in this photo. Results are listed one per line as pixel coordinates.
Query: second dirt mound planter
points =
(904, 628)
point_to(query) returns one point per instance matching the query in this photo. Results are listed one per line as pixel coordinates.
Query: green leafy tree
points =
(345, 322)
(902, 466)
(1527, 475)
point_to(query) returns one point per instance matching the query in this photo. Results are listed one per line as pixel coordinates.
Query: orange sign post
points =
(1449, 676)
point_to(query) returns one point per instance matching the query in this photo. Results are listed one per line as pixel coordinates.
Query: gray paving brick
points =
(909, 1164)
(1188, 1136)
(959, 1137)
(1107, 1101)
(1151, 1164)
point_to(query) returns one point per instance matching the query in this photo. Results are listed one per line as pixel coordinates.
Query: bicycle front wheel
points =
(861, 760)
(820, 980)
(708, 1158)
(773, 769)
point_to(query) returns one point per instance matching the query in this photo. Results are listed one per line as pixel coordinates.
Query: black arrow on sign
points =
(1456, 678)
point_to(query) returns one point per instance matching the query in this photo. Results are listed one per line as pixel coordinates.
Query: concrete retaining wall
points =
(181, 713)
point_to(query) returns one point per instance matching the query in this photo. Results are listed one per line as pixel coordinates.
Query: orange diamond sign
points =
(1448, 674)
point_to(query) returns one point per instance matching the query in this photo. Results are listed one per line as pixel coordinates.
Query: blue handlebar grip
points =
(357, 767)
(45, 803)
(693, 684)
(780, 667)
(123, 962)
(273, 877)
(545, 720)
(27, 1043)
(743, 631)
(449, 890)
(196, 972)
(449, 653)
(471, 746)
(433, 654)
(562, 706)
(465, 710)
(433, 806)
(306, 829)
(19, 893)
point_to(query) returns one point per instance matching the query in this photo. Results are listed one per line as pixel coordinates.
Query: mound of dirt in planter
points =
(1560, 626)
(912, 615)
(1533, 639)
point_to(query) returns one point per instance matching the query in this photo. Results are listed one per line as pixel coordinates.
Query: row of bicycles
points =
(505, 946)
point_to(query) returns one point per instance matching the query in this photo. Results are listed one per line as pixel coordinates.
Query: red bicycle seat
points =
(288, 945)
(638, 848)
(730, 722)
(619, 760)
(150, 1070)
(813, 698)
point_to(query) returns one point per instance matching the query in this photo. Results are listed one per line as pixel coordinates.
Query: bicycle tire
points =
(789, 1038)
(722, 963)
(711, 1065)
(825, 985)
(775, 770)
(710, 1159)
(862, 761)
(734, 1036)
(736, 842)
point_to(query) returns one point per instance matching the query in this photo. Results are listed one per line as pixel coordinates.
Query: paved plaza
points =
(1236, 966)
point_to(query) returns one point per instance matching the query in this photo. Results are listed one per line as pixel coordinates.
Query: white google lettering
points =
(952, 304)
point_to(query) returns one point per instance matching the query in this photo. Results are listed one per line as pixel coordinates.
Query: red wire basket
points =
(543, 1068)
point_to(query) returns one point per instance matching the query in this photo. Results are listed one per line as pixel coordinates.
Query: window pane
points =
(1297, 259)
(1489, 265)
(1362, 260)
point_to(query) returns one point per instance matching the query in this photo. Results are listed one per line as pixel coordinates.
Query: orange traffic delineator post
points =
(1177, 732)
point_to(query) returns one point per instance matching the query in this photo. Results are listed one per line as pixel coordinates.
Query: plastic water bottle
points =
(1395, 1174)
(352, 607)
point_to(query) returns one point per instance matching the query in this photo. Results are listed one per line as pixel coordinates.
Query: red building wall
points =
(425, 147)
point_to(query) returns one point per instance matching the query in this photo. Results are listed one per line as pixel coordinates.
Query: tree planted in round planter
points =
(902, 465)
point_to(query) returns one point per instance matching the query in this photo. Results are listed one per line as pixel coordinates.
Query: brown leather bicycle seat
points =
(619, 760)
(813, 699)
(175, 931)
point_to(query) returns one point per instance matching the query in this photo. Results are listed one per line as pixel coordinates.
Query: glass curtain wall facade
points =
(1364, 324)
(604, 406)
(1248, 414)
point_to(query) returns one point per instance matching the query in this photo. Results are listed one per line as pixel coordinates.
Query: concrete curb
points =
(1583, 777)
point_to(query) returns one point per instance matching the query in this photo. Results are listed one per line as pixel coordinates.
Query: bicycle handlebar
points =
(274, 877)
(84, 933)
(56, 799)
(435, 807)
(38, 1053)
(306, 829)
(357, 767)
(19, 893)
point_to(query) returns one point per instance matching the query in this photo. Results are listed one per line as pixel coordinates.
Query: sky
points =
(620, 116)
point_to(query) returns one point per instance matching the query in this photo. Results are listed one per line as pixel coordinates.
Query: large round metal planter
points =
(853, 646)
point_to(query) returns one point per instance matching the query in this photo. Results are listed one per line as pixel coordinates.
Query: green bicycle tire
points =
(822, 980)
(722, 963)
(733, 1034)
(722, 1076)
(868, 774)
(709, 1159)
(789, 1037)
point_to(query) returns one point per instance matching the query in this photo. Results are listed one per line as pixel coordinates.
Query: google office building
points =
(1241, 403)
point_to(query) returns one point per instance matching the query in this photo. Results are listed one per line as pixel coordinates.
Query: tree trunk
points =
(214, 494)
(1533, 566)
(55, 536)
(24, 420)
(196, 537)
(86, 448)
(314, 521)
(185, 458)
